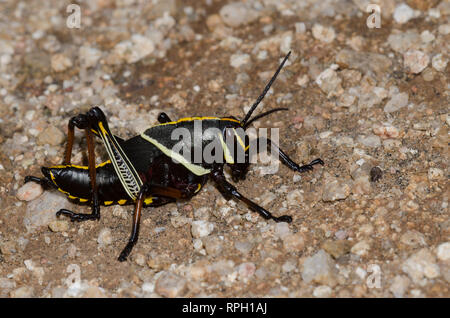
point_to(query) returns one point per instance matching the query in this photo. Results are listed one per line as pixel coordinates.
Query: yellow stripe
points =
(196, 169)
(80, 167)
(226, 152)
(108, 202)
(239, 139)
(198, 118)
(198, 188)
(121, 202)
(100, 124)
(148, 200)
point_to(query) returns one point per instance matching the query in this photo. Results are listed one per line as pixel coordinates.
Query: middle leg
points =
(226, 187)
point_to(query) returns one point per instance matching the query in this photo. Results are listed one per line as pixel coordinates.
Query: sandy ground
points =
(371, 102)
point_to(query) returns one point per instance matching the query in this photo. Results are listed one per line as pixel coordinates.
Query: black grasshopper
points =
(145, 171)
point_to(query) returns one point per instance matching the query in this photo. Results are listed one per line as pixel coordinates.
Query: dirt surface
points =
(372, 103)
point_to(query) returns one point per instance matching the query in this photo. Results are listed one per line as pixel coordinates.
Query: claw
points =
(125, 252)
(78, 217)
(283, 218)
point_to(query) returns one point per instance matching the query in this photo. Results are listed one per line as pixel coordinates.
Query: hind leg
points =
(88, 122)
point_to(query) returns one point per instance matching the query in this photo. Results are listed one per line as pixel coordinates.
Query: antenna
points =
(263, 115)
(266, 89)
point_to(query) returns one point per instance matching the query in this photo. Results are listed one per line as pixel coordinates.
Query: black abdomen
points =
(75, 182)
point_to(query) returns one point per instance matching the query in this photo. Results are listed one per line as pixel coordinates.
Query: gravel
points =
(420, 266)
(443, 251)
(201, 228)
(415, 61)
(335, 190)
(396, 102)
(371, 103)
(403, 13)
(237, 14)
(319, 268)
(323, 33)
(170, 285)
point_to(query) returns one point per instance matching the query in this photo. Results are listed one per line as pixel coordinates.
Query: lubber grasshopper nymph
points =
(146, 171)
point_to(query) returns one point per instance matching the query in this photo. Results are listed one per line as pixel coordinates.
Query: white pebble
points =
(427, 36)
(322, 291)
(443, 251)
(201, 228)
(397, 102)
(361, 248)
(444, 29)
(60, 62)
(105, 236)
(237, 13)
(29, 191)
(324, 34)
(421, 265)
(415, 61)
(300, 27)
(435, 174)
(89, 56)
(439, 62)
(238, 60)
(403, 13)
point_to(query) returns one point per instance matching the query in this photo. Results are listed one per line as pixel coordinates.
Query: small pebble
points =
(236, 14)
(59, 226)
(51, 136)
(213, 245)
(201, 228)
(336, 248)
(319, 268)
(397, 102)
(413, 238)
(435, 174)
(420, 265)
(243, 246)
(105, 237)
(371, 141)
(439, 62)
(60, 62)
(89, 56)
(322, 33)
(361, 248)
(329, 82)
(443, 251)
(403, 13)
(335, 190)
(300, 28)
(282, 229)
(415, 61)
(170, 285)
(239, 60)
(294, 242)
(29, 191)
(22, 292)
(386, 131)
(322, 291)
(246, 270)
(399, 286)
(139, 259)
(41, 211)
